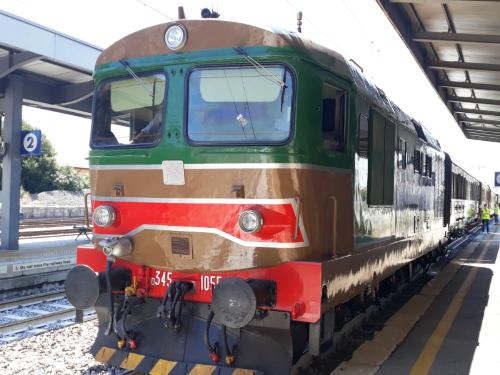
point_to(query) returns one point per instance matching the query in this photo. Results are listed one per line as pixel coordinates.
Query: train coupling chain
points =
(170, 309)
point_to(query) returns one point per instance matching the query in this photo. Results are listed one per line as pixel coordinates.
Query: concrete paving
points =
(458, 334)
(38, 260)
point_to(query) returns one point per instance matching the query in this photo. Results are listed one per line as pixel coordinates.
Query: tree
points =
(68, 179)
(41, 173)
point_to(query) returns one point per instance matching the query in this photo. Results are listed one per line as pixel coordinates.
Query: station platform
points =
(452, 327)
(38, 260)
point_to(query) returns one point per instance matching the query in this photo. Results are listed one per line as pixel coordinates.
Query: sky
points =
(358, 29)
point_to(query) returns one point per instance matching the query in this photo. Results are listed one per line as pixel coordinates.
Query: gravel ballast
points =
(63, 351)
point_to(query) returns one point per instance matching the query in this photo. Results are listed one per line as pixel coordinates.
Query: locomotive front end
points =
(200, 248)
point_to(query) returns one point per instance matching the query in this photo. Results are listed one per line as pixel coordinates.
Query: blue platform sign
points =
(31, 142)
(497, 178)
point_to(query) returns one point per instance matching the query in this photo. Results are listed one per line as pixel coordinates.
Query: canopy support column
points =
(11, 163)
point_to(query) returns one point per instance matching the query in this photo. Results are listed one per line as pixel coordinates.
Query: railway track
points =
(49, 227)
(40, 223)
(34, 313)
(48, 231)
(40, 297)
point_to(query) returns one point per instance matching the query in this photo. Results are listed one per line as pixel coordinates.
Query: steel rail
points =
(29, 322)
(30, 300)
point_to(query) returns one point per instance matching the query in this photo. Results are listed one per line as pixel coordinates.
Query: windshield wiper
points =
(138, 79)
(282, 99)
(261, 69)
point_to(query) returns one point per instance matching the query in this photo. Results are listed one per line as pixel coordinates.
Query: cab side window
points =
(381, 160)
(401, 153)
(363, 136)
(417, 161)
(333, 117)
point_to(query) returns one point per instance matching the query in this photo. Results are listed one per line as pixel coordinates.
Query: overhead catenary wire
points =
(361, 29)
(155, 10)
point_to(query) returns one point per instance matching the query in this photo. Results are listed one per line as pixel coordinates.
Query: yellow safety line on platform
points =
(104, 354)
(240, 371)
(132, 361)
(202, 370)
(163, 367)
(367, 359)
(431, 348)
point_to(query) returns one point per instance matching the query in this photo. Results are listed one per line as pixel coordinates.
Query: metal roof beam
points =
(483, 138)
(43, 95)
(72, 93)
(486, 132)
(491, 137)
(463, 66)
(475, 129)
(424, 36)
(480, 132)
(464, 99)
(495, 136)
(11, 62)
(479, 121)
(469, 85)
(477, 112)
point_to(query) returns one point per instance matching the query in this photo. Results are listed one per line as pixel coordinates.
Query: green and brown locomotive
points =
(247, 186)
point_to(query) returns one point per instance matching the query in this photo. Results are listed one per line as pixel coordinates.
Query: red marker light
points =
(132, 344)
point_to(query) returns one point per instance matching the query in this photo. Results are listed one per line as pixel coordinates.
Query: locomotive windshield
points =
(128, 112)
(240, 105)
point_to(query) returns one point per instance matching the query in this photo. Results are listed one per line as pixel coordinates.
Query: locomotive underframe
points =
(273, 340)
(264, 345)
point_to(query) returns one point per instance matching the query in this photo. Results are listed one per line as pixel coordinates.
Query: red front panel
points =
(298, 283)
(218, 218)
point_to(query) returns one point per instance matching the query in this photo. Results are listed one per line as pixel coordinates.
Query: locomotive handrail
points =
(85, 201)
(334, 234)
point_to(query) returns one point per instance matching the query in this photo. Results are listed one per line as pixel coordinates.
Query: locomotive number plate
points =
(203, 283)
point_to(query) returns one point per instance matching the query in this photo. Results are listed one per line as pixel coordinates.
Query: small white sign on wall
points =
(173, 172)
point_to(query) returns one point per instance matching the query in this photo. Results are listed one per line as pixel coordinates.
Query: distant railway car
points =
(464, 196)
(247, 186)
(487, 196)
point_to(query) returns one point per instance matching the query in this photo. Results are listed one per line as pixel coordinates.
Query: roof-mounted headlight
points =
(104, 216)
(175, 37)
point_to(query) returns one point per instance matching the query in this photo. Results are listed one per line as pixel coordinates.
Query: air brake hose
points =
(207, 332)
(212, 350)
(224, 339)
(230, 357)
(111, 302)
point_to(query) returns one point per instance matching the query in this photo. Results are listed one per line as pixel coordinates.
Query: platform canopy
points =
(56, 69)
(457, 44)
(42, 68)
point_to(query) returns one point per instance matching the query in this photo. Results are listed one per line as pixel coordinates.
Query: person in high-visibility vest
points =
(495, 213)
(485, 217)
